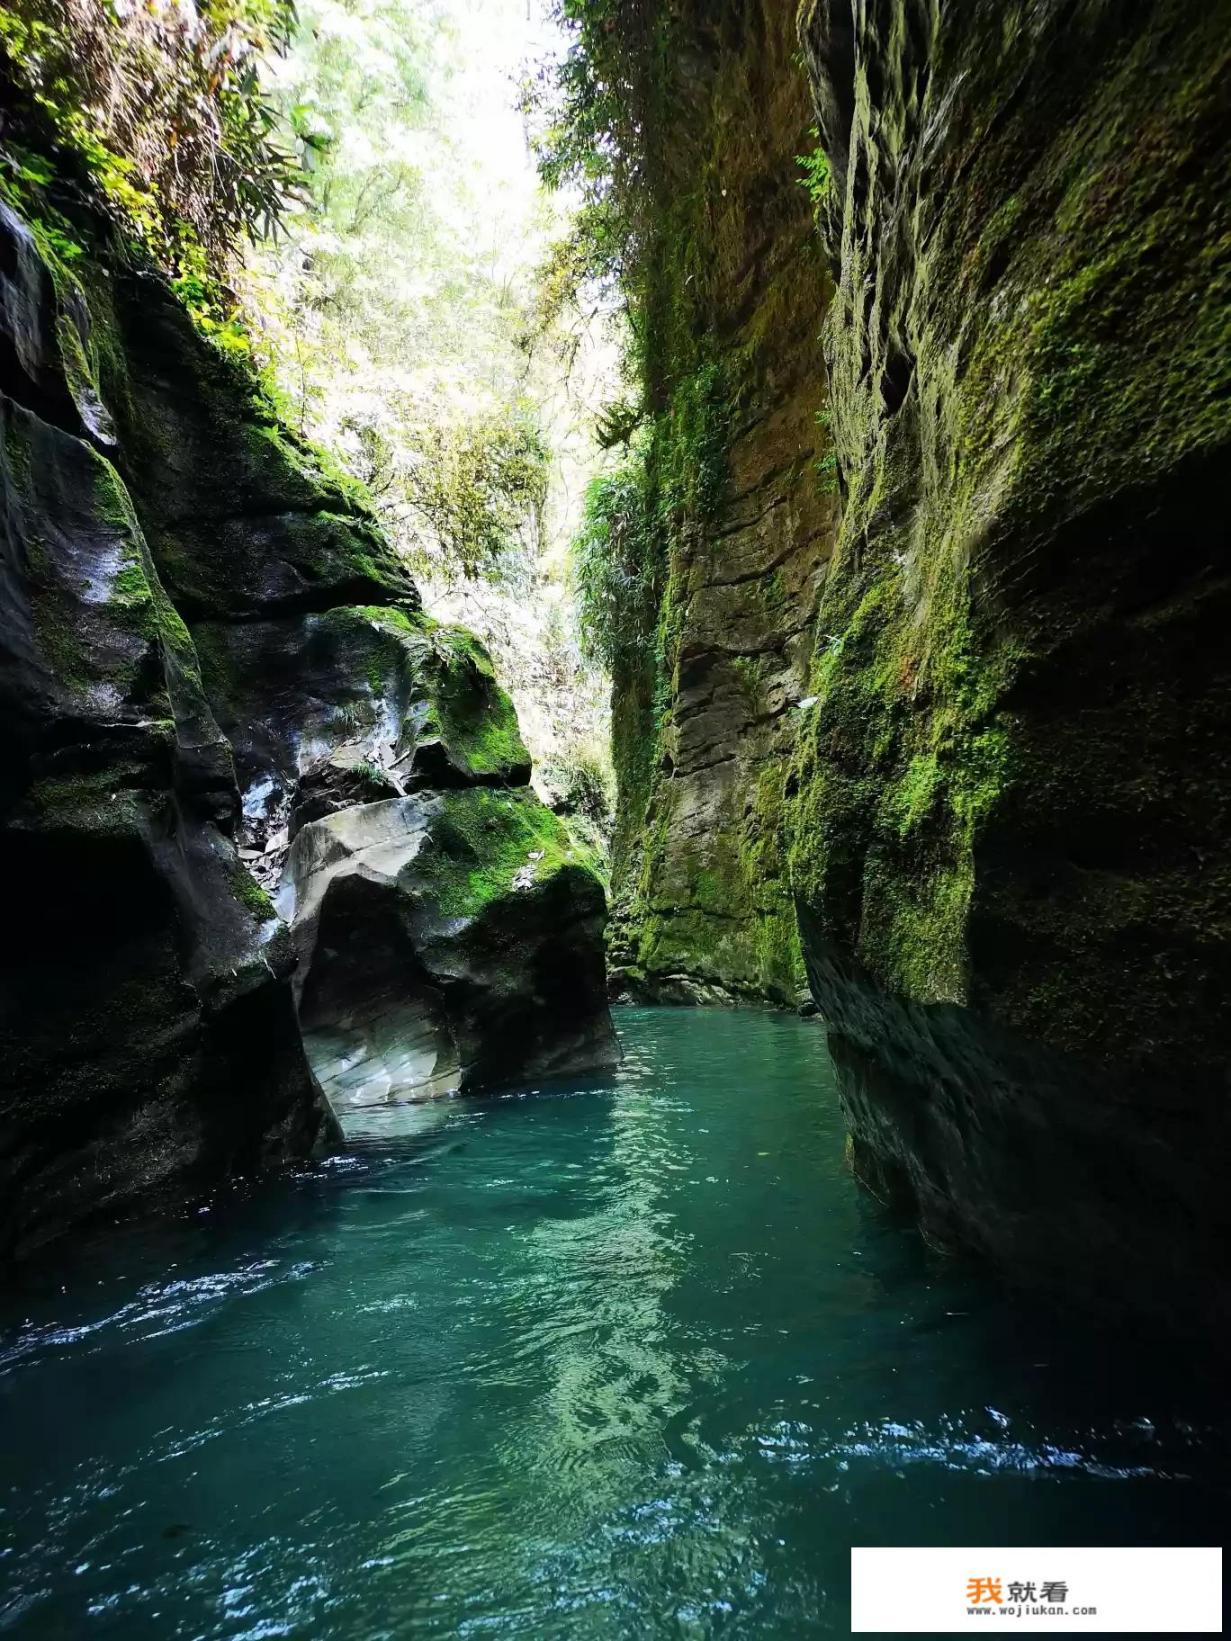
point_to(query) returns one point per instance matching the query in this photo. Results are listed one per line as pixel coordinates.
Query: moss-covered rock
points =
(205, 643)
(386, 690)
(147, 1029)
(447, 941)
(1009, 809)
(242, 516)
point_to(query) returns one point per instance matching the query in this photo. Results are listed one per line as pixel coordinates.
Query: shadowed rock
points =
(147, 1031)
(1011, 798)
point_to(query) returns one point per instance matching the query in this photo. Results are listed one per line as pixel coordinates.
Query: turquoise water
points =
(636, 1360)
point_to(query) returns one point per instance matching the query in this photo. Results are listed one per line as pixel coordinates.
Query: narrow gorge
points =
(476, 1158)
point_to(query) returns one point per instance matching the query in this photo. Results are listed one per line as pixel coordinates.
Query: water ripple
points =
(635, 1359)
(159, 1308)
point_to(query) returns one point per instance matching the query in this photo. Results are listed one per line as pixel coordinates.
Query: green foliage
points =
(815, 167)
(160, 112)
(596, 115)
(588, 104)
(672, 481)
(459, 496)
(392, 330)
(584, 782)
(476, 485)
(617, 422)
(24, 177)
(592, 253)
(211, 310)
(614, 560)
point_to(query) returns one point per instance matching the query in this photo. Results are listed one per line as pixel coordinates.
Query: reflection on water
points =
(632, 1361)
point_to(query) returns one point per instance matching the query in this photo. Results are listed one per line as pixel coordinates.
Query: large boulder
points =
(447, 941)
(376, 700)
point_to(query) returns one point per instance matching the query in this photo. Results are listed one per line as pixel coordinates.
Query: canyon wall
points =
(1011, 803)
(705, 709)
(956, 649)
(217, 686)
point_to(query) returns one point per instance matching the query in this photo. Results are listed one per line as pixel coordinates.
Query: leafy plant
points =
(580, 781)
(476, 486)
(613, 561)
(387, 306)
(159, 108)
(816, 173)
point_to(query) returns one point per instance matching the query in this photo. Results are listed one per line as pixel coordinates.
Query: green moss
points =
(1071, 325)
(61, 645)
(270, 438)
(747, 670)
(474, 716)
(672, 489)
(130, 585)
(249, 892)
(105, 801)
(450, 672)
(390, 619)
(725, 295)
(137, 593)
(487, 844)
(910, 800)
(377, 638)
(719, 910)
(900, 763)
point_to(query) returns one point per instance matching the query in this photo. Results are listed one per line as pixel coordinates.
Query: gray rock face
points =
(206, 648)
(447, 942)
(384, 691)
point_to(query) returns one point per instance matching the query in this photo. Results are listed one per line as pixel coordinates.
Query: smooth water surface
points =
(633, 1361)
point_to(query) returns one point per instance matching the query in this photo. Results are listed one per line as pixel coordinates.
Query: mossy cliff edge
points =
(1010, 807)
(208, 648)
(730, 508)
